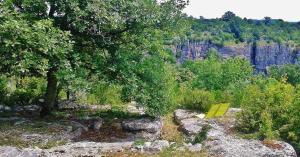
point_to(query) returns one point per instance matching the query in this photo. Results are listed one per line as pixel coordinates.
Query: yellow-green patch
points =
(217, 110)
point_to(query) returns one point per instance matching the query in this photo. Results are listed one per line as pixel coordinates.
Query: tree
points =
(34, 49)
(268, 21)
(228, 16)
(111, 38)
(289, 72)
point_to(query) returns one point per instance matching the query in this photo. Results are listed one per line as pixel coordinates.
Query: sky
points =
(288, 10)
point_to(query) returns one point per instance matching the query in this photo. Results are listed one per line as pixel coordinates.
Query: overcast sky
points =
(288, 10)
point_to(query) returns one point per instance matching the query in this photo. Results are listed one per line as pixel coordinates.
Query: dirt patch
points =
(109, 132)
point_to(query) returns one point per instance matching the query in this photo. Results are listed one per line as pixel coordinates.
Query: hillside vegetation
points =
(231, 29)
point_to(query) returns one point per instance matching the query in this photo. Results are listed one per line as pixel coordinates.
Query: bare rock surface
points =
(79, 149)
(158, 145)
(183, 114)
(144, 128)
(220, 143)
(225, 145)
(133, 107)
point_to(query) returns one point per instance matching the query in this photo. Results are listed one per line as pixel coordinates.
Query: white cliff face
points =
(260, 55)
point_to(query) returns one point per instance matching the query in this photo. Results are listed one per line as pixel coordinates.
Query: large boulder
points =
(192, 126)
(144, 124)
(181, 114)
(144, 128)
(189, 123)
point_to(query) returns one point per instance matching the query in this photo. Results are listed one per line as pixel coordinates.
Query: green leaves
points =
(217, 74)
(28, 47)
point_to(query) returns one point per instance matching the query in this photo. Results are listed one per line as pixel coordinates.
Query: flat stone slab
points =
(144, 124)
(181, 114)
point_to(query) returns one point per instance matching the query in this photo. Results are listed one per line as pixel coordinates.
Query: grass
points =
(11, 135)
(12, 140)
(170, 130)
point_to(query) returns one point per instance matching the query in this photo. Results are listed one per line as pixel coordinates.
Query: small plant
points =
(200, 100)
(200, 137)
(139, 142)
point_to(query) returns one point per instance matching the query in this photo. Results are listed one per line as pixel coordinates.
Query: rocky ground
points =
(106, 133)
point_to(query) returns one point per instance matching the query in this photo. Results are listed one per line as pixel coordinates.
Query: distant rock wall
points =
(261, 55)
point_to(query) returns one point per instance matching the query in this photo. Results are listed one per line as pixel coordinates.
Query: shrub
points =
(105, 93)
(216, 74)
(3, 89)
(28, 91)
(200, 100)
(289, 72)
(157, 89)
(266, 108)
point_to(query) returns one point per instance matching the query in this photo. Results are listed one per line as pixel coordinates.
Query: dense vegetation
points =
(114, 52)
(231, 29)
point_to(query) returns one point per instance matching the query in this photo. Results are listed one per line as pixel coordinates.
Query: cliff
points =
(260, 54)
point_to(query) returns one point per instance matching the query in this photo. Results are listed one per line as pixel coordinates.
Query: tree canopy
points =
(105, 39)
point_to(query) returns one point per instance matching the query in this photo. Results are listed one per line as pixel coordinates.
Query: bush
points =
(200, 100)
(266, 108)
(157, 89)
(216, 74)
(289, 72)
(105, 93)
(28, 91)
(3, 89)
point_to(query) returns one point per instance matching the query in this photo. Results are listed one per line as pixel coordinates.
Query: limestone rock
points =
(97, 123)
(221, 143)
(183, 114)
(77, 125)
(133, 107)
(193, 148)
(157, 146)
(144, 124)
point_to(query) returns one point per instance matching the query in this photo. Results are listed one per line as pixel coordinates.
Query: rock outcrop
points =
(221, 143)
(79, 149)
(144, 128)
(260, 54)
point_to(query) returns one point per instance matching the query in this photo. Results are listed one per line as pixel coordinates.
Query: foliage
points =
(158, 88)
(103, 93)
(231, 29)
(289, 72)
(197, 99)
(24, 91)
(266, 108)
(3, 89)
(216, 74)
(66, 41)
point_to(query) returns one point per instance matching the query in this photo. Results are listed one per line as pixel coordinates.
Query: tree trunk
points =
(51, 93)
